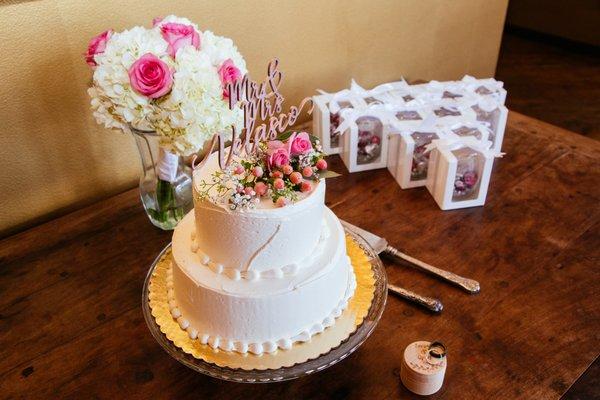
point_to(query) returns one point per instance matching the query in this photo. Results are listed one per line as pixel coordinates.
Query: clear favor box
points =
(326, 117)
(494, 115)
(488, 87)
(408, 160)
(459, 172)
(365, 142)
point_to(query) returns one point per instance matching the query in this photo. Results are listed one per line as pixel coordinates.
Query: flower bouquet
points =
(166, 84)
(283, 170)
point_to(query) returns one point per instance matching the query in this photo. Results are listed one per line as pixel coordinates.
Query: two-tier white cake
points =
(259, 279)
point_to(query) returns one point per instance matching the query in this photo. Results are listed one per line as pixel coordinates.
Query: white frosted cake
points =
(260, 278)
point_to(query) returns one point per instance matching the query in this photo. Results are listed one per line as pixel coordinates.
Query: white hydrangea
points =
(195, 109)
(115, 103)
(191, 113)
(220, 49)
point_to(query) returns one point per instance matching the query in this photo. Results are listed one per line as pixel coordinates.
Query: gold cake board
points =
(352, 317)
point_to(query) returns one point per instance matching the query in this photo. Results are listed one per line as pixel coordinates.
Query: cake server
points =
(380, 245)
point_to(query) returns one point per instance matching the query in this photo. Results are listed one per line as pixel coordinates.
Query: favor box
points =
(488, 87)
(408, 160)
(326, 117)
(320, 115)
(486, 112)
(494, 115)
(459, 172)
(365, 142)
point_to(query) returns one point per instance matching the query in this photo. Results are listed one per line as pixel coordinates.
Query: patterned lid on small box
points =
(423, 367)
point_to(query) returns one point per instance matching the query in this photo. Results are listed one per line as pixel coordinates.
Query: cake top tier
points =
(262, 214)
(277, 174)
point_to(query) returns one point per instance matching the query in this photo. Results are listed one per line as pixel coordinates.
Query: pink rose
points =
(279, 158)
(156, 21)
(97, 46)
(178, 36)
(150, 76)
(228, 73)
(299, 143)
(278, 154)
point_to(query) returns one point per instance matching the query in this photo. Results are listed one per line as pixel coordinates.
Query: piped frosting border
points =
(251, 275)
(258, 347)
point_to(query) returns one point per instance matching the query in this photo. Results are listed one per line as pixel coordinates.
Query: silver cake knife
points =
(430, 303)
(380, 245)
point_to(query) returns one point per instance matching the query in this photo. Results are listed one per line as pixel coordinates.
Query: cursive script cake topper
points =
(259, 101)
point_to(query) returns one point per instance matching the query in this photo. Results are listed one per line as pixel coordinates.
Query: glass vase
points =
(165, 183)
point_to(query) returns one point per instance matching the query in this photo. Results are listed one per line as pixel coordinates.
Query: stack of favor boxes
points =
(442, 135)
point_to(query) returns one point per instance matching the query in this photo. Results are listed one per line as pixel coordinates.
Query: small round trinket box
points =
(423, 367)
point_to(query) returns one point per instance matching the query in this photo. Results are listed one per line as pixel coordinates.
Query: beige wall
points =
(54, 157)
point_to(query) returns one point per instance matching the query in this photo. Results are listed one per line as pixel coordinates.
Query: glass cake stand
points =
(335, 355)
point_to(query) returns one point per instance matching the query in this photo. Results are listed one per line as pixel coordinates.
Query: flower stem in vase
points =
(165, 195)
(165, 185)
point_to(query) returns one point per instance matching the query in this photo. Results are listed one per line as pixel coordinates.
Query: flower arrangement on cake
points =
(281, 169)
(171, 80)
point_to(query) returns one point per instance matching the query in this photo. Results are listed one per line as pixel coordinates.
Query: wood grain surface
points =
(71, 324)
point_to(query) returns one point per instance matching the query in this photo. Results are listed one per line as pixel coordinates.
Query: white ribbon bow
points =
(350, 115)
(488, 104)
(457, 142)
(386, 93)
(378, 90)
(489, 83)
(471, 84)
(345, 96)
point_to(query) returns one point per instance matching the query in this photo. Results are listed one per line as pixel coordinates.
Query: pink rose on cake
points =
(228, 73)
(97, 46)
(278, 154)
(299, 143)
(178, 36)
(150, 76)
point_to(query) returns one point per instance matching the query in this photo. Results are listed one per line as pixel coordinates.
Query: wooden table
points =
(71, 324)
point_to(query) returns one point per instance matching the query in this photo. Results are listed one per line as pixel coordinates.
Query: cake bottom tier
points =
(260, 315)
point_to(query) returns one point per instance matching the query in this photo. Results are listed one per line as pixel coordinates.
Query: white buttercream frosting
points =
(252, 275)
(257, 280)
(260, 239)
(260, 315)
